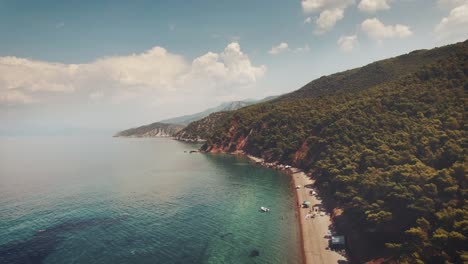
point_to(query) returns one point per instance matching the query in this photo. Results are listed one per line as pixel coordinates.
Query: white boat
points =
(264, 209)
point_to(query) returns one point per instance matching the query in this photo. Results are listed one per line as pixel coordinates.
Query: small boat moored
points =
(264, 209)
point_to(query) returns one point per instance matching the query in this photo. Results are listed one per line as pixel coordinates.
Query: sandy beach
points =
(313, 230)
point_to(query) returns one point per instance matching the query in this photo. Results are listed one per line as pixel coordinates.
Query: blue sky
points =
(106, 65)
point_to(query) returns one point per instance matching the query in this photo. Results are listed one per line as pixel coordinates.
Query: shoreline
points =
(313, 231)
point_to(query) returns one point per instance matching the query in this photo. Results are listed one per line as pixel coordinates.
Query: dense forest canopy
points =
(386, 144)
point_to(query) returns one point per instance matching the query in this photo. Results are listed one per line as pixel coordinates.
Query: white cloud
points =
(308, 20)
(228, 68)
(283, 47)
(19, 73)
(373, 5)
(155, 68)
(328, 19)
(279, 48)
(377, 30)
(450, 4)
(347, 43)
(15, 97)
(155, 72)
(331, 11)
(454, 27)
(306, 48)
(312, 6)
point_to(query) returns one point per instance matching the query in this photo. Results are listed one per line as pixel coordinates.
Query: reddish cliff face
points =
(239, 146)
(300, 155)
(233, 144)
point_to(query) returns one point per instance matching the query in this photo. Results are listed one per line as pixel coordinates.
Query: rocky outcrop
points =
(152, 130)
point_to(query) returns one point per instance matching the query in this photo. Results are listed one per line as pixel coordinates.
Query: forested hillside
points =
(386, 144)
(201, 129)
(371, 75)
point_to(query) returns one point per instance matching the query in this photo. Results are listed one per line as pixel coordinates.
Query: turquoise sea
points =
(116, 200)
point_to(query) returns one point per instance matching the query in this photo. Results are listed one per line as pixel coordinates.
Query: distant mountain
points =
(157, 129)
(170, 127)
(228, 106)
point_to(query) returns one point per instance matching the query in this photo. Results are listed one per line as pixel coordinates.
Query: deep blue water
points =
(114, 200)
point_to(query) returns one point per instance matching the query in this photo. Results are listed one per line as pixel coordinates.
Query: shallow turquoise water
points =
(113, 200)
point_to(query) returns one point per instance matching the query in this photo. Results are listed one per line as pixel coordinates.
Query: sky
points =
(70, 67)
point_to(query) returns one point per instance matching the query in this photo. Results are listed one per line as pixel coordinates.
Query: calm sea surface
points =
(114, 200)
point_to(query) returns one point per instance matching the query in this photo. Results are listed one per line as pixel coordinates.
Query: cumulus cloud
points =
(328, 19)
(347, 43)
(278, 48)
(454, 27)
(230, 67)
(155, 68)
(154, 72)
(331, 11)
(373, 5)
(377, 30)
(19, 73)
(312, 6)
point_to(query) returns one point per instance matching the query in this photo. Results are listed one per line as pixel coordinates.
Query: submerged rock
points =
(254, 253)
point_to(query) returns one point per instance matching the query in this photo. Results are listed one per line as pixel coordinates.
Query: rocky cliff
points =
(152, 130)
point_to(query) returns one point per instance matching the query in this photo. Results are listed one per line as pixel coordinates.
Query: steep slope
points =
(201, 129)
(370, 75)
(386, 144)
(152, 130)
